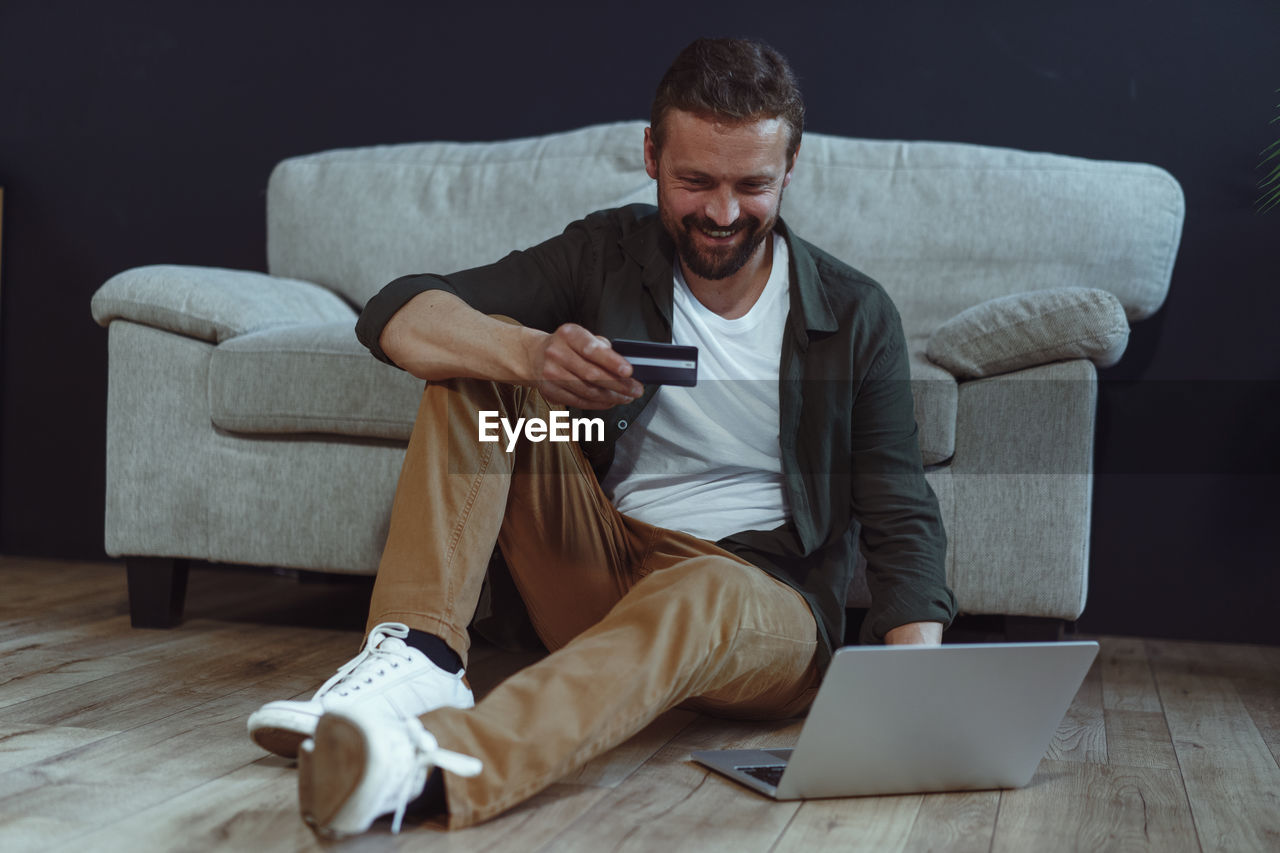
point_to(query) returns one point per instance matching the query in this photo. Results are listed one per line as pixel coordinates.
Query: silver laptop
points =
(906, 719)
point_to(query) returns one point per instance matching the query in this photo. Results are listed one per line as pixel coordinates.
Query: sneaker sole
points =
(283, 742)
(281, 730)
(327, 782)
(306, 795)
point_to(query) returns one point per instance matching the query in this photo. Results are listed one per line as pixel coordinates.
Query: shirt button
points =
(622, 424)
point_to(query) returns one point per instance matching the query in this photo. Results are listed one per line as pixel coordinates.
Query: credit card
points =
(660, 364)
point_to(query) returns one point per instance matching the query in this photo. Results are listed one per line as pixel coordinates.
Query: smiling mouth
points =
(720, 234)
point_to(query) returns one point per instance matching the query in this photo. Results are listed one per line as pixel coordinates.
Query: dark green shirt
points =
(850, 458)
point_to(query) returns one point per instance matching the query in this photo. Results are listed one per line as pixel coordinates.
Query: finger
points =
(595, 375)
(583, 357)
(589, 380)
(586, 382)
(596, 349)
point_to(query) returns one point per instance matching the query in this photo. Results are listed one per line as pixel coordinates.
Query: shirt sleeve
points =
(902, 533)
(539, 287)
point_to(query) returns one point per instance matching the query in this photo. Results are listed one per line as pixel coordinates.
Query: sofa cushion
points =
(309, 379)
(213, 304)
(1026, 329)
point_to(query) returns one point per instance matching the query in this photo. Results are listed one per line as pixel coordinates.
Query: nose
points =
(722, 207)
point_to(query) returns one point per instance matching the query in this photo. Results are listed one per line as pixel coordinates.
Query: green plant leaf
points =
(1270, 182)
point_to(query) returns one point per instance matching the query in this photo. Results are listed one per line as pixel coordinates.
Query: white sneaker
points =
(362, 765)
(388, 677)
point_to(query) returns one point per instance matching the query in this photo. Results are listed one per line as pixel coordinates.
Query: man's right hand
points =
(572, 367)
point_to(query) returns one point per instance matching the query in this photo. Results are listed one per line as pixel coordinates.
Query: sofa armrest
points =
(1029, 329)
(214, 304)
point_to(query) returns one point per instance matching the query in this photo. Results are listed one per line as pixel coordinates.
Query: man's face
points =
(719, 187)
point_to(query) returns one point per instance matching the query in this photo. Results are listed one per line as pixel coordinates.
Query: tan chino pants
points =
(638, 619)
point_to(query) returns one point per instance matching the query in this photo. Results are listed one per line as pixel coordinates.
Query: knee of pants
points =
(765, 626)
(478, 394)
(713, 588)
(753, 599)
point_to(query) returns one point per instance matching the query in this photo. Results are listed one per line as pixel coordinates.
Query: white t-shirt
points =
(705, 460)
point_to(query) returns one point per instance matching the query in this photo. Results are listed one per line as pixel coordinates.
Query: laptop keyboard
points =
(770, 774)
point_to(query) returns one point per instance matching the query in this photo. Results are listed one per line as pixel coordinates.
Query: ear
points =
(786, 179)
(650, 154)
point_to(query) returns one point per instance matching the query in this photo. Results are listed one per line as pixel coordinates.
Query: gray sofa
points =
(247, 425)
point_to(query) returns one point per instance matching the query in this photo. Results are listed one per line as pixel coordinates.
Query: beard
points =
(718, 262)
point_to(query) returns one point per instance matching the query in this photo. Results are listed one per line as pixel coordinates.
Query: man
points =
(699, 553)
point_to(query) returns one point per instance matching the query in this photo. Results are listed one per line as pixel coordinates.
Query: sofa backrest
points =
(943, 226)
(355, 219)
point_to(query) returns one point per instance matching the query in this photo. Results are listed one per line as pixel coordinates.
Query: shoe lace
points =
(372, 662)
(427, 753)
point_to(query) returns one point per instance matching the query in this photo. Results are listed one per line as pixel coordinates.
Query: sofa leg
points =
(157, 591)
(1033, 629)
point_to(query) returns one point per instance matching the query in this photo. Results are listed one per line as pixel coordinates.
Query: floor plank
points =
(1231, 777)
(1256, 688)
(1137, 735)
(24, 745)
(97, 784)
(1127, 684)
(671, 800)
(1140, 739)
(531, 826)
(860, 823)
(1072, 806)
(1082, 734)
(252, 808)
(32, 675)
(113, 738)
(123, 691)
(963, 822)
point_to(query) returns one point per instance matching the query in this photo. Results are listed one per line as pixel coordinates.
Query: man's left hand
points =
(915, 634)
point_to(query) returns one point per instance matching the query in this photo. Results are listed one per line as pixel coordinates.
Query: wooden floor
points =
(119, 739)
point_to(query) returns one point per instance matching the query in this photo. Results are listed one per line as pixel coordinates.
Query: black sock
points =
(431, 802)
(436, 650)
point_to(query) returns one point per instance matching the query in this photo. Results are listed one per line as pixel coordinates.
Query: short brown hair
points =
(734, 79)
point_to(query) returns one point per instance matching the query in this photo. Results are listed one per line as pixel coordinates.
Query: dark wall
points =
(135, 133)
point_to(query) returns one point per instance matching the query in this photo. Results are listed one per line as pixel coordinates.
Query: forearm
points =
(902, 534)
(436, 336)
(915, 634)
